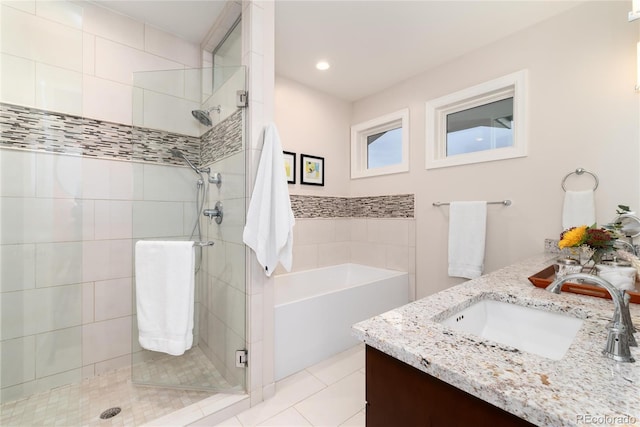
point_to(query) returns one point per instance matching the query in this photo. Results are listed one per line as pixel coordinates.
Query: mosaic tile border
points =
(222, 140)
(33, 129)
(392, 206)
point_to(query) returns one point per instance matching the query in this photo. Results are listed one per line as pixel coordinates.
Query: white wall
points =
(312, 122)
(583, 112)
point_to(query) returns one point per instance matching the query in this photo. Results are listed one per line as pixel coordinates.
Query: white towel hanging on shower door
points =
(165, 286)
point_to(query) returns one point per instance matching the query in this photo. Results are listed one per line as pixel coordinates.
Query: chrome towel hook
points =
(581, 171)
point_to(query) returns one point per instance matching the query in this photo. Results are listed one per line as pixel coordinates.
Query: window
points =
(380, 146)
(479, 124)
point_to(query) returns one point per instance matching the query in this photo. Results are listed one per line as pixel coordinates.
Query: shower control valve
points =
(215, 178)
(216, 213)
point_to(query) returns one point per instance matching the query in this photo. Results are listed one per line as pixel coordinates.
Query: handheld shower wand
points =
(214, 178)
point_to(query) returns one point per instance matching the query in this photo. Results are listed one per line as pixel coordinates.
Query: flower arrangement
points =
(594, 243)
(591, 241)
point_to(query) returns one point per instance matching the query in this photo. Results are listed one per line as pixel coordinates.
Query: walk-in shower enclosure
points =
(76, 194)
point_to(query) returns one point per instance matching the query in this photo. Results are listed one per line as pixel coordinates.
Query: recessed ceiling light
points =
(323, 65)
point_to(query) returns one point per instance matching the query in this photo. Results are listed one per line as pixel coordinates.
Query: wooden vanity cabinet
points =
(400, 395)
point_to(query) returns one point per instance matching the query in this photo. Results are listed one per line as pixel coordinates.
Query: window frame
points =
(511, 85)
(359, 146)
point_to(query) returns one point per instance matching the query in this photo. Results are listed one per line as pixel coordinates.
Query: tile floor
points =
(330, 393)
(81, 404)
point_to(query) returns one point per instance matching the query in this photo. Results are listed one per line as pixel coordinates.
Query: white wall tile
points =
(28, 6)
(87, 303)
(234, 273)
(40, 310)
(157, 219)
(170, 113)
(137, 112)
(18, 270)
(117, 62)
(169, 46)
(88, 54)
(107, 100)
(113, 26)
(343, 229)
(397, 257)
(58, 89)
(333, 253)
(358, 230)
(59, 176)
(305, 257)
(169, 183)
(113, 219)
(373, 254)
(194, 81)
(107, 259)
(58, 263)
(112, 299)
(18, 360)
(58, 351)
(233, 182)
(106, 340)
(17, 173)
(107, 179)
(167, 82)
(216, 257)
(45, 220)
(41, 40)
(389, 231)
(63, 12)
(17, 80)
(234, 211)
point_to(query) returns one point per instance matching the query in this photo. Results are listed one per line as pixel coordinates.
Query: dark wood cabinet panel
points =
(400, 395)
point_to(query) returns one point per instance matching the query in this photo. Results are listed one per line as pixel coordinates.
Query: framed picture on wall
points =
(311, 170)
(290, 166)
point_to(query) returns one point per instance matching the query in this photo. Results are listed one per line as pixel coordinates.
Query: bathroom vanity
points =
(420, 371)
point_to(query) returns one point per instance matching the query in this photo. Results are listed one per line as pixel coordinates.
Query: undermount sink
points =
(528, 329)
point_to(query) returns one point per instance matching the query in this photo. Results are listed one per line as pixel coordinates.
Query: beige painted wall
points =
(583, 112)
(314, 123)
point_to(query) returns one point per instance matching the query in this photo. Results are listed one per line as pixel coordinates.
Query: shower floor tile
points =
(81, 404)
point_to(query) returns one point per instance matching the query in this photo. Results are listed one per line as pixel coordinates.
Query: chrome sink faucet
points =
(621, 329)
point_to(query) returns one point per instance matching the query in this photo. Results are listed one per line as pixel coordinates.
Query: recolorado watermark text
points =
(606, 419)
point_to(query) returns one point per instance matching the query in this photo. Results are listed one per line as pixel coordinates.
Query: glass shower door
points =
(172, 196)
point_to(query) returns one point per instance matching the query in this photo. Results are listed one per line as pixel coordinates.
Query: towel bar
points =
(502, 202)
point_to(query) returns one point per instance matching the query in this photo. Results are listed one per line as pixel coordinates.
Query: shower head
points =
(177, 153)
(203, 115)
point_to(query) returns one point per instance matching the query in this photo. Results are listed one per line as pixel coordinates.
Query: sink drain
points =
(110, 413)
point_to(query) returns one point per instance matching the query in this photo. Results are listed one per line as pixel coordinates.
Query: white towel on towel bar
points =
(270, 220)
(165, 280)
(579, 209)
(467, 231)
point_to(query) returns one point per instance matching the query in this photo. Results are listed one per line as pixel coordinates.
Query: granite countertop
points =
(584, 387)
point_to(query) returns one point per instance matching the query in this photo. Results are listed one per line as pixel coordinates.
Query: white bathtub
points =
(314, 310)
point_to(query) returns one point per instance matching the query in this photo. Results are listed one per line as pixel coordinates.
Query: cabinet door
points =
(401, 395)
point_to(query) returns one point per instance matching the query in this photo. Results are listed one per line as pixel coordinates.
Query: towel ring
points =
(580, 171)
